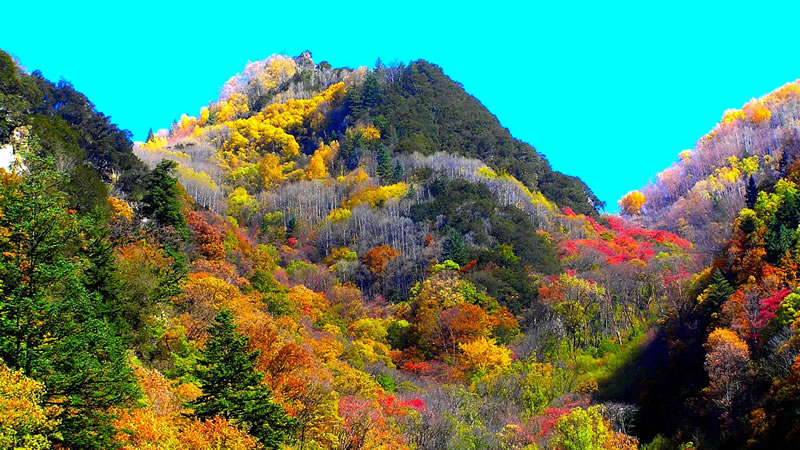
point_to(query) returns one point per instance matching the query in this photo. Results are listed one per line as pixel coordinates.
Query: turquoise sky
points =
(608, 93)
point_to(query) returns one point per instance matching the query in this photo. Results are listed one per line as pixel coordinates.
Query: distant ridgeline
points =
(67, 127)
(749, 150)
(287, 107)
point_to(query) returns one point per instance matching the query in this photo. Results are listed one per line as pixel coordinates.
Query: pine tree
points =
(162, 200)
(52, 312)
(752, 193)
(718, 291)
(150, 135)
(232, 387)
(397, 173)
(454, 248)
(384, 165)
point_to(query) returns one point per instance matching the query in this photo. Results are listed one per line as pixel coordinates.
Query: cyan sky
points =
(608, 93)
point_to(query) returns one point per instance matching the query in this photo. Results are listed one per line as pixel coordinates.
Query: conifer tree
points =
(150, 135)
(752, 193)
(232, 387)
(385, 170)
(53, 306)
(162, 200)
(397, 173)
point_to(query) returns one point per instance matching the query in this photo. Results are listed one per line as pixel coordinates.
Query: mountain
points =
(702, 193)
(339, 258)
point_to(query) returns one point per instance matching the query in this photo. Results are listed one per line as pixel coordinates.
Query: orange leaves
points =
(217, 433)
(309, 303)
(727, 364)
(631, 203)
(209, 239)
(756, 111)
(377, 258)
(142, 429)
(465, 322)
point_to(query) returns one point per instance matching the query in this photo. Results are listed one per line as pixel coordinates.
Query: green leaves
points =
(232, 387)
(52, 316)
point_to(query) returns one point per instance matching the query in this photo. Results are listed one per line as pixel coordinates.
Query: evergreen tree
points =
(52, 309)
(355, 104)
(718, 290)
(100, 275)
(780, 236)
(454, 248)
(150, 135)
(384, 165)
(752, 193)
(162, 200)
(397, 173)
(371, 91)
(232, 387)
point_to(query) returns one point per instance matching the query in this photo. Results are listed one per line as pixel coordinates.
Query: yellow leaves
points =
(278, 68)
(339, 215)
(487, 172)
(204, 115)
(327, 348)
(24, 423)
(376, 196)
(240, 203)
(354, 178)
(631, 203)
(187, 122)
(233, 108)
(732, 115)
(685, 155)
(756, 111)
(350, 381)
(120, 209)
(484, 355)
(316, 168)
(368, 132)
(749, 165)
(309, 303)
(369, 328)
(724, 336)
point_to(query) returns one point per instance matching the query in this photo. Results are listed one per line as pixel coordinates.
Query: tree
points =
(385, 170)
(24, 423)
(727, 364)
(582, 429)
(631, 203)
(52, 325)
(232, 387)
(162, 201)
(717, 292)
(484, 355)
(150, 135)
(397, 172)
(752, 193)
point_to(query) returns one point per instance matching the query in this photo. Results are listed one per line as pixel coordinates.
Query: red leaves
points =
(621, 242)
(420, 368)
(769, 305)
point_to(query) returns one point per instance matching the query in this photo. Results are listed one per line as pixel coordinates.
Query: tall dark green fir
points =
(232, 387)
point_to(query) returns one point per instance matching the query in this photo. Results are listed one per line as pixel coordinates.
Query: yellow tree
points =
(24, 423)
(631, 203)
(484, 355)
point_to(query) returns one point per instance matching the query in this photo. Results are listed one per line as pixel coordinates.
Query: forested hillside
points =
(359, 259)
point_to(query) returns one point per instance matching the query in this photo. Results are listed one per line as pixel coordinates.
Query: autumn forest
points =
(336, 258)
